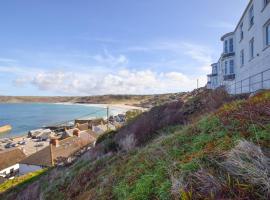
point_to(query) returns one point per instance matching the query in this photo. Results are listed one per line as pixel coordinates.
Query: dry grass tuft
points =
(208, 183)
(128, 143)
(248, 162)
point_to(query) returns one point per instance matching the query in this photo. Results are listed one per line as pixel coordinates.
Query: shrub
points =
(104, 136)
(131, 115)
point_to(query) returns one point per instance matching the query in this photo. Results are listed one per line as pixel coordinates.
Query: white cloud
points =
(200, 55)
(8, 69)
(7, 60)
(104, 72)
(120, 82)
(107, 59)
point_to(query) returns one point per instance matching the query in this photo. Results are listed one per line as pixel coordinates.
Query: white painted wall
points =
(261, 60)
(25, 169)
(6, 171)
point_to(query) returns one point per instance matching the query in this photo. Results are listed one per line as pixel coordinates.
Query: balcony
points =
(226, 55)
(229, 77)
(213, 74)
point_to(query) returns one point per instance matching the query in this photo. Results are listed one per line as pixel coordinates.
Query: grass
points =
(183, 163)
(22, 180)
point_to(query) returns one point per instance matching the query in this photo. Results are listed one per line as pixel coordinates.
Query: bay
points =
(24, 117)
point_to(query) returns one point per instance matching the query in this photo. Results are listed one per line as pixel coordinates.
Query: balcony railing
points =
(251, 84)
(212, 75)
(229, 77)
(226, 55)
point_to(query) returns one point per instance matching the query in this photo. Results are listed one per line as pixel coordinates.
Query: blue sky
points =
(93, 47)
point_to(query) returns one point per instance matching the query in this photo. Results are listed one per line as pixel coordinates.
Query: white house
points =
(244, 65)
(9, 162)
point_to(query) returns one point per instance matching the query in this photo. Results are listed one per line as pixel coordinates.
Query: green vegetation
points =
(132, 115)
(204, 160)
(22, 180)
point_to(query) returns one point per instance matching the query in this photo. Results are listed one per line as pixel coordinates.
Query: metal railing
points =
(251, 84)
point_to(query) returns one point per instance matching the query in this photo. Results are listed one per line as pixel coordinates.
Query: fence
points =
(251, 84)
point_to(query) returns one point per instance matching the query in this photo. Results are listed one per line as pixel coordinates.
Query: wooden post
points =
(262, 80)
(235, 87)
(107, 118)
(249, 84)
(241, 86)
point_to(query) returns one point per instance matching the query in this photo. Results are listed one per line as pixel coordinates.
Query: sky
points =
(95, 47)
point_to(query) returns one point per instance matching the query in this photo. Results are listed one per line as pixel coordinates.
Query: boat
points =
(5, 128)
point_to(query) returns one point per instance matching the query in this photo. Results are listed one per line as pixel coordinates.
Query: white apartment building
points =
(244, 65)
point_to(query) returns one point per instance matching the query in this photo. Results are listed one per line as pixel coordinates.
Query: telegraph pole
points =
(197, 83)
(107, 118)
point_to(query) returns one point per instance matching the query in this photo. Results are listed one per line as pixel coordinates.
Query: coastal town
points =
(54, 146)
(135, 100)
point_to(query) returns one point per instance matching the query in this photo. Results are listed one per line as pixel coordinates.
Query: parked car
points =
(22, 143)
(14, 145)
(8, 145)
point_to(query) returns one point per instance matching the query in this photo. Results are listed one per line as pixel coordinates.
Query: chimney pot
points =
(76, 132)
(55, 142)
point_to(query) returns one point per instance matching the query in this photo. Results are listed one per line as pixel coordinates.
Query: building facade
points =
(244, 65)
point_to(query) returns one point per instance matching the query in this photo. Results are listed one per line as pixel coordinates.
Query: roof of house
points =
(40, 158)
(10, 157)
(67, 147)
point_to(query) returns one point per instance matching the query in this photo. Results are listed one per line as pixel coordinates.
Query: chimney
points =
(76, 132)
(55, 142)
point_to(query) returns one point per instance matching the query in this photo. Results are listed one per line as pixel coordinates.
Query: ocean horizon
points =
(24, 117)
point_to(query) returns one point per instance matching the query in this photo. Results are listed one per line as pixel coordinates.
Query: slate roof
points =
(67, 147)
(10, 157)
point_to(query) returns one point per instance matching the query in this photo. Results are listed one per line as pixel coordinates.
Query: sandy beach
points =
(124, 107)
(32, 145)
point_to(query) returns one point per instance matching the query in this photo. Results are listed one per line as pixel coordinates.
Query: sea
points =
(24, 117)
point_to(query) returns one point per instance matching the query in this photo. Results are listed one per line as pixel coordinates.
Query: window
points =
(231, 67)
(231, 45)
(265, 2)
(242, 57)
(267, 34)
(251, 16)
(214, 70)
(226, 67)
(215, 81)
(226, 46)
(251, 48)
(241, 31)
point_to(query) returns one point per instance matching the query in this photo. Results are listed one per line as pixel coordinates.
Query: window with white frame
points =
(241, 31)
(251, 16)
(267, 33)
(215, 81)
(231, 45)
(226, 46)
(242, 57)
(231, 66)
(265, 3)
(214, 69)
(251, 48)
(226, 67)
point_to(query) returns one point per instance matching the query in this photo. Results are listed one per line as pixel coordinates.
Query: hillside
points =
(205, 145)
(136, 100)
